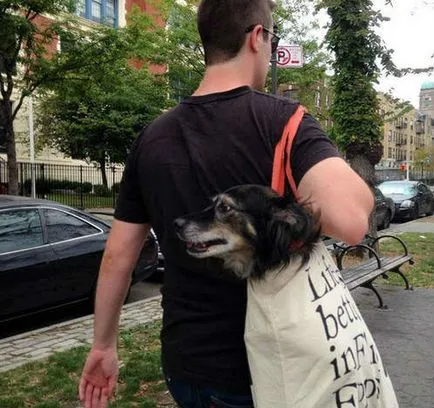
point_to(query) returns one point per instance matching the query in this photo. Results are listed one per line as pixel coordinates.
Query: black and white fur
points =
(252, 229)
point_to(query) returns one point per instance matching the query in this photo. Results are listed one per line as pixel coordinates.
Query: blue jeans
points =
(188, 395)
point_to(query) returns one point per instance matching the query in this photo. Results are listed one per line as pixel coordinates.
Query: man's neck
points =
(223, 77)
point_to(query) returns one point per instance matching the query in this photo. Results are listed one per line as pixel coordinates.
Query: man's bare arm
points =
(344, 200)
(120, 257)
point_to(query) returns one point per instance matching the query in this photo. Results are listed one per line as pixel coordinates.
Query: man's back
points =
(204, 146)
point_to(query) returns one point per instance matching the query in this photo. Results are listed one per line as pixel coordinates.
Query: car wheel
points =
(386, 221)
(431, 211)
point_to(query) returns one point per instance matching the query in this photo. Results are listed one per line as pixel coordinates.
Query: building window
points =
(100, 11)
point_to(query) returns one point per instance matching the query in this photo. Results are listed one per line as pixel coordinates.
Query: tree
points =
(359, 56)
(179, 47)
(294, 28)
(424, 160)
(355, 110)
(97, 110)
(27, 60)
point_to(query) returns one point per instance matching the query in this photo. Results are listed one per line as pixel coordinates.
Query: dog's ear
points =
(293, 225)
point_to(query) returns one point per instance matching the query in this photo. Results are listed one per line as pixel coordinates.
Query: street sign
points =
(289, 56)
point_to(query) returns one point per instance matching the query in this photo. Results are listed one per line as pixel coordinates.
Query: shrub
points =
(101, 190)
(116, 187)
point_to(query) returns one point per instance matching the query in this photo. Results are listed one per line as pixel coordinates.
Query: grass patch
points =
(53, 383)
(420, 247)
(84, 201)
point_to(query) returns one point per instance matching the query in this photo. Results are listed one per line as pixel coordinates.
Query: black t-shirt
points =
(202, 147)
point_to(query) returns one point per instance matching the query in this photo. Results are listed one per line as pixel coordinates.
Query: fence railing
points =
(82, 186)
(416, 173)
(77, 186)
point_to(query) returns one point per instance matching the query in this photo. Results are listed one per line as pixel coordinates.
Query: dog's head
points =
(251, 228)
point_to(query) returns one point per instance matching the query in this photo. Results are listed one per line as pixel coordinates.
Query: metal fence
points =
(417, 173)
(78, 186)
(82, 186)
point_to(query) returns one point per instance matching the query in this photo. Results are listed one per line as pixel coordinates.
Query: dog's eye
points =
(223, 208)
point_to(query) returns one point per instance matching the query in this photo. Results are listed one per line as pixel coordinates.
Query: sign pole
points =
(274, 73)
(274, 68)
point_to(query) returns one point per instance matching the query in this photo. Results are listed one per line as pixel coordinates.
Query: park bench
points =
(364, 273)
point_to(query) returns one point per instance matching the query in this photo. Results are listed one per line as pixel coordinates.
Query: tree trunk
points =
(7, 123)
(362, 159)
(103, 172)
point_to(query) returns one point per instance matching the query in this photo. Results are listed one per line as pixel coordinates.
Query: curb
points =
(38, 344)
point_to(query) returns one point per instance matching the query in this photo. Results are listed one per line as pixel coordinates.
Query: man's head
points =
(229, 28)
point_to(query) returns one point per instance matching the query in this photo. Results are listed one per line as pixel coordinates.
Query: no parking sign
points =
(289, 56)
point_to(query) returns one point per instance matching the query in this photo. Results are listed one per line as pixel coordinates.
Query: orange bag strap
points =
(285, 145)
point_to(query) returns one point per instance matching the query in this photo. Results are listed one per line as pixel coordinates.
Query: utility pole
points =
(32, 148)
(274, 68)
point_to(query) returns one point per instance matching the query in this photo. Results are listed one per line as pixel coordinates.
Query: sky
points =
(410, 33)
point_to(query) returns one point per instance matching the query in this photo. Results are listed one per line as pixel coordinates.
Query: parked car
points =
(411, 198)
(50, 255)
(384, 209)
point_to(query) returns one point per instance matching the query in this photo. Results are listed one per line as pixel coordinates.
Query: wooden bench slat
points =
(364, 273)
(359, 274)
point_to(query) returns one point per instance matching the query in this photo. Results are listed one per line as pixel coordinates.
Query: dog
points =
(252, 229)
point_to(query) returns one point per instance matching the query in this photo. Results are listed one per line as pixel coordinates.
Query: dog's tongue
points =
(199, 246)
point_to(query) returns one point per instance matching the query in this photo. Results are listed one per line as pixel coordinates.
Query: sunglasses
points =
(274, 38)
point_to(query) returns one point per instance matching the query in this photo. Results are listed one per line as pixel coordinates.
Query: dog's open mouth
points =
(198, 247)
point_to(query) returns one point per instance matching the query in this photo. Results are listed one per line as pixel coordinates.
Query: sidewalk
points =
(18, 350)
(404, 334)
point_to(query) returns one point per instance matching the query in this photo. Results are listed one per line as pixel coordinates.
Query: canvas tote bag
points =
(307, 343)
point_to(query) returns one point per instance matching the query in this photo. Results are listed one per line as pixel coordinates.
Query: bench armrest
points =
(372, 244)
(341, 255)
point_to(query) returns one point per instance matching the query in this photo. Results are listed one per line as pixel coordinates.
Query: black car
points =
(384, 209)
(411, 198)
(50, 255)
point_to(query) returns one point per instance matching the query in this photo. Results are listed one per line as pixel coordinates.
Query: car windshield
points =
(397, 188)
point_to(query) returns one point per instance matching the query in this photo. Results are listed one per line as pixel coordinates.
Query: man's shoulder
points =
(159, 126)
(277, 100)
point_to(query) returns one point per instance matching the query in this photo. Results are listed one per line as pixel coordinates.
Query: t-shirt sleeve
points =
(130, 206)
(311, 145)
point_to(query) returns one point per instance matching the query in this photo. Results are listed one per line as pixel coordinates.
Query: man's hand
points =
(100, 373)
(99, 378)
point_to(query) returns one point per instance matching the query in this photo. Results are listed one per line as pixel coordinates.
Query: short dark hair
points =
(222, 25)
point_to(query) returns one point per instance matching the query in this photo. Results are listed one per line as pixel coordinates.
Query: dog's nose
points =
(179, 223)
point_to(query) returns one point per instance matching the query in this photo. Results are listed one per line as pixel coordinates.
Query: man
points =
(224, 135)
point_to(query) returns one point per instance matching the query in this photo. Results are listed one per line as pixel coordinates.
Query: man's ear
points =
(255, 38)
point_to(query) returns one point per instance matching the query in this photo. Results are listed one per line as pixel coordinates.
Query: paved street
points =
(405, 337)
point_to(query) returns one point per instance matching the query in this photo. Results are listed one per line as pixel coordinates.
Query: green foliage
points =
(101, 190)
(96, 111)
(357, 50)
(178, 46)
(46, 186)
(25, 43)
(27, 60)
